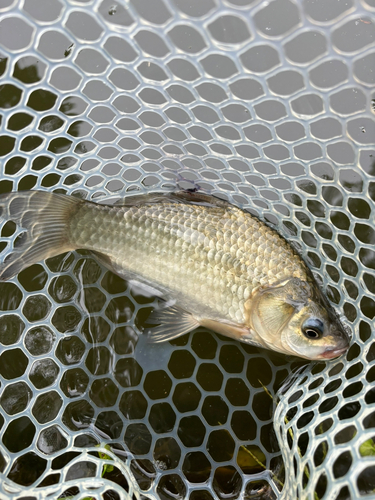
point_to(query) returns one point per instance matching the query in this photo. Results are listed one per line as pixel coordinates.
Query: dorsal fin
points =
(195, 198)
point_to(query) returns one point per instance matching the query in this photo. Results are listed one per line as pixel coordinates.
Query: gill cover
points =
(272, 307)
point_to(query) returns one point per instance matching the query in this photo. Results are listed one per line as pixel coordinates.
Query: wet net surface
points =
(267, 104)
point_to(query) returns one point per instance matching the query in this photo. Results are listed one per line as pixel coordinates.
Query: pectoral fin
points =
(238, 332)
(274, 312)
(172, 322)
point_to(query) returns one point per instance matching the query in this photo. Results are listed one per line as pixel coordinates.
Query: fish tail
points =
(43, 219)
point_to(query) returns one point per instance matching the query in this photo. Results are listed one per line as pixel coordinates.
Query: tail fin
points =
(45, 217)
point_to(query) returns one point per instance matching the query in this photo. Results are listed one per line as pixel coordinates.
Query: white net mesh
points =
(268, 104)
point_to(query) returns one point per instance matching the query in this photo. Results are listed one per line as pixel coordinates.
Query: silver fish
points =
(214, 264)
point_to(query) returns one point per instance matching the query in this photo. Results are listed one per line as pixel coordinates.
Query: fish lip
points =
(333, 353)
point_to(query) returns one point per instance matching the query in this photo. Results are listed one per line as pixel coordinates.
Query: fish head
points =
(293, 317)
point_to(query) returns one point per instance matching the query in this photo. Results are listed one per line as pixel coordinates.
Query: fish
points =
(211, 263)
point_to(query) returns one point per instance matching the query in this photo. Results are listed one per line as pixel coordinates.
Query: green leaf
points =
(367, 449)
(106, 467)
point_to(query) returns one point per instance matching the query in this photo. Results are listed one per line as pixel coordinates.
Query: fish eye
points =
(313, 329)
(311, 334)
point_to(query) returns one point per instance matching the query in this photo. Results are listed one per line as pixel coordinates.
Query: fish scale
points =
(214, 244)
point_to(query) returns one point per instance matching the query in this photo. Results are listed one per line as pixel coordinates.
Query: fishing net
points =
(265, 104)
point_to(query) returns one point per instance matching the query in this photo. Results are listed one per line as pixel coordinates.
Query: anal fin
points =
(172, 322)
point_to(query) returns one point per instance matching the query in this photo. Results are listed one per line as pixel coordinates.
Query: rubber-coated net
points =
(267, 104)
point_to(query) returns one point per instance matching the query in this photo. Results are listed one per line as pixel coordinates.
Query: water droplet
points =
(112, 10)
(363, 130)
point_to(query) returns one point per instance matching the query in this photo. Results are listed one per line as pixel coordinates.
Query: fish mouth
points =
(333, 353)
